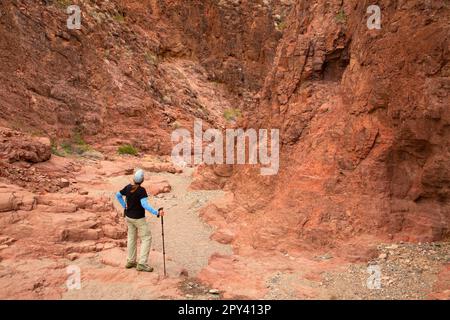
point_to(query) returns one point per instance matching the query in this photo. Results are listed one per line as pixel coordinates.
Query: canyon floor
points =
(81, 225)
(360, 205)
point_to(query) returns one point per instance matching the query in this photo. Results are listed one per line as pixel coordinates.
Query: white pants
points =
(138, 226)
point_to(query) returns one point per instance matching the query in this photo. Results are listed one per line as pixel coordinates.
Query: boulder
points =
(8, 202)
(113, 232)
(224, 236)
(156, 186)
(16, 146)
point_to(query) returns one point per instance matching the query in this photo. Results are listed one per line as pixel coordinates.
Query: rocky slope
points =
(114, 81)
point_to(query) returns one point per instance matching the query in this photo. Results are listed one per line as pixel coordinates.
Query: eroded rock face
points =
(113, 76)
(365, 145)
(234, 40)
(211, 177)
(156, 185)
(16, 146)
(362, 114)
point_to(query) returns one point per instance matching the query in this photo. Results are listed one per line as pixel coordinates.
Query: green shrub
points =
(127, 149)
(63, 3)
(231, 114)
(81, 148)
(281, 25)
(55, 150)
(78, 139)
(175, 125)
(341, 17)
(119, 17)
(167, 99)
(76, 145)
(67, 147)
(151, 58)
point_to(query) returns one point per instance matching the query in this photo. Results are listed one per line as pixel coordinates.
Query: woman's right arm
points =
(119, 198)
(147, 206)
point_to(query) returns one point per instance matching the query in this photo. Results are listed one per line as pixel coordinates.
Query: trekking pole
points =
(164, 248)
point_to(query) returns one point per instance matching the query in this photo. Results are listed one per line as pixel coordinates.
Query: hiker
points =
(135, 206)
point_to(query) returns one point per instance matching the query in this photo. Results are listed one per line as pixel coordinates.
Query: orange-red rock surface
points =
(363, 118)
(364, 125)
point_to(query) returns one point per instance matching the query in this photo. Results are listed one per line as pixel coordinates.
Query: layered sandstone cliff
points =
(364, 127)
(363, 113)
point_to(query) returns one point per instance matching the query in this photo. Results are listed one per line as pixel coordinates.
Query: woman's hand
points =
(160, 212)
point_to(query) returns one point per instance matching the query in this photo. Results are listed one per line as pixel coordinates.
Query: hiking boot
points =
(144, 267)
(130, 265)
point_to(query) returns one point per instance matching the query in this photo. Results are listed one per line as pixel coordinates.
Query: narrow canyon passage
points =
(354, 96)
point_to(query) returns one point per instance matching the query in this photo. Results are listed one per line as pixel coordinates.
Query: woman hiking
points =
(135, 206)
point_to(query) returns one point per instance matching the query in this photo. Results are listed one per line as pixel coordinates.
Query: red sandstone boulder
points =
(156, 185)
(16, 146)
(114, 232)
(225, 236)
(8, 202)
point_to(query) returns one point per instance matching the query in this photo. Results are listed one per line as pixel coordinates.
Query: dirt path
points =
(187, 240)
(186, 236)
